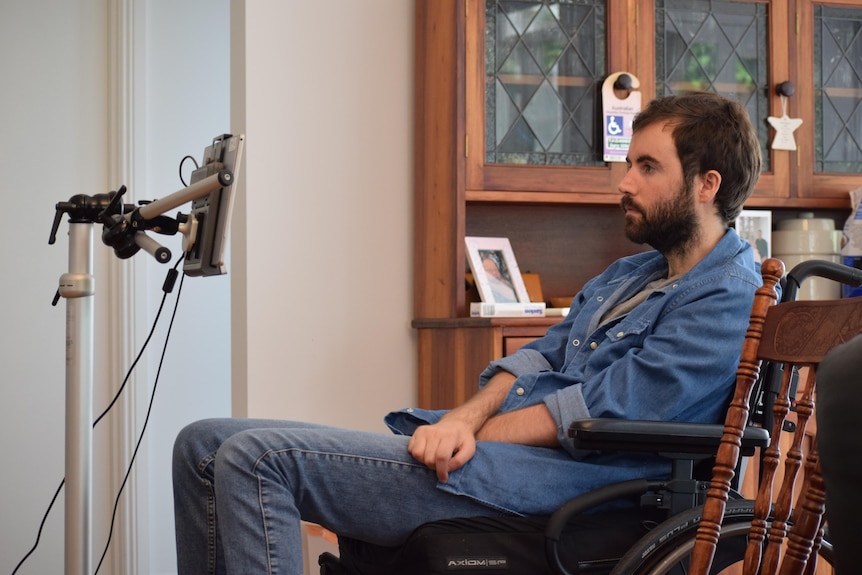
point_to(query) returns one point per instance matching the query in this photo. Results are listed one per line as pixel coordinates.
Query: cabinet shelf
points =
(839, 202)
(535, 80)
(541, 197)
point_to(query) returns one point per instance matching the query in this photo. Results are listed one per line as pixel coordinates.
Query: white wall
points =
(326, 108)
(324, 331)
(186, 104)
(53, 145)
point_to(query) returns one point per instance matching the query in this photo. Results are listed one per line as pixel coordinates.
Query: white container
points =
(809, 238)
(806, 222)
(807, 242)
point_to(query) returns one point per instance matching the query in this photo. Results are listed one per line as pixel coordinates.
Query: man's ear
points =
(709, 184)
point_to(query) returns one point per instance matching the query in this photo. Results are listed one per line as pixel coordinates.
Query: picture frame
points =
(755, 227)
(495, 270)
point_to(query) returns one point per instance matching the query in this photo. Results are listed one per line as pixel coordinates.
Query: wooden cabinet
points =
(563, 220)
(453, 352)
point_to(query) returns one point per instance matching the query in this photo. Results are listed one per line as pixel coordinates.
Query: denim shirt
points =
(673, 358)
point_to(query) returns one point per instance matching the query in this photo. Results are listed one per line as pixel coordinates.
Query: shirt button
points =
(600, 298)
(594, 345)
(576, 343)
(520, 391)
(675, 286)
(620, 334)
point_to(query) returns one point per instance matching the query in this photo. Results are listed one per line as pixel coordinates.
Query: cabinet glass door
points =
(837, 89)
(544, 65)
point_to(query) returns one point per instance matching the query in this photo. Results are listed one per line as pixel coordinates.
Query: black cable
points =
(183, 161)
(143, 347)
(147, 417)
(41, 526)
(167, 289)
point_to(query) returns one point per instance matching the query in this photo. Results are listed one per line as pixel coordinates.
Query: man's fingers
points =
(455, 459)
(441, 449)
(429, 449)
(462, 456)
(441, 461)
(416, 446)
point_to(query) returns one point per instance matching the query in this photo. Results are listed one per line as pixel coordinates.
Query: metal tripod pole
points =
(78, 287)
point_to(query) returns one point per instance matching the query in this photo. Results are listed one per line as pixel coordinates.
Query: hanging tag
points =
(784, 128)
(618, 116)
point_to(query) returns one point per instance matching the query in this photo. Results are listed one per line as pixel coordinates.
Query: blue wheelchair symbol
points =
(614, 125)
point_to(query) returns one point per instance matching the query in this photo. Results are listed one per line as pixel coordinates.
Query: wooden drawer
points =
(453, 352)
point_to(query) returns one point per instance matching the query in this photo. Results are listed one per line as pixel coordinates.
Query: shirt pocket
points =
(630, 329)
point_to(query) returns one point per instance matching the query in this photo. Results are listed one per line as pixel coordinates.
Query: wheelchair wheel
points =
(666, 548)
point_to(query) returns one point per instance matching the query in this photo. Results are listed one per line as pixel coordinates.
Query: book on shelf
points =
(490, 309)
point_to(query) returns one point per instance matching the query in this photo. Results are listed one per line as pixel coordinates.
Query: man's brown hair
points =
(711, 132)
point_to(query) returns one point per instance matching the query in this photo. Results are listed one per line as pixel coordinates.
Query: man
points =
(656, 336)
(762, 246)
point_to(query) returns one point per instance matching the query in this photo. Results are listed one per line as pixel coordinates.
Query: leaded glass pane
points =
(837, 89)
(719, 46)
(545, 62)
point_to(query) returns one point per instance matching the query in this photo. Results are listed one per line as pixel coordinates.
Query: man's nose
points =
(626, 185)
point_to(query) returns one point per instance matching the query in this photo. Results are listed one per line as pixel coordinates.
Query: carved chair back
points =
(795, 335)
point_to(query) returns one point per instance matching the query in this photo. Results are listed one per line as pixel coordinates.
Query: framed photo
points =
(495, 270)
(755, 227)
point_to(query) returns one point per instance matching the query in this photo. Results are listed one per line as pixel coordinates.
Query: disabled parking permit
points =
(618, 115)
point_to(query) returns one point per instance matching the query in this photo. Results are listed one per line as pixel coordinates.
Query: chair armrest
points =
(658, 436)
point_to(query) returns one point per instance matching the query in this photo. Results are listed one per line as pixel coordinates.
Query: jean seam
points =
(212, 528)
(269, 452)
(212, 542)
(265, 524)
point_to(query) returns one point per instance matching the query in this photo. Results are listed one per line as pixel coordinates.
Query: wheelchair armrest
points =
(658, 436)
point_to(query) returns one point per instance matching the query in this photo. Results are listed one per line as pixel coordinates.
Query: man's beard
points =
(670, 227)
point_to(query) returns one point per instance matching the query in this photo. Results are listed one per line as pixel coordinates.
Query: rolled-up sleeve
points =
(524, 361)
(565, 406)
(533, 372)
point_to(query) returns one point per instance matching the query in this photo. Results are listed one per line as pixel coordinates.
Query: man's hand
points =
(444, 446)
(451, 442)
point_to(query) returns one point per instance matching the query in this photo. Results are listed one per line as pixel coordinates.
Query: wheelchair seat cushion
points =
(475, 545)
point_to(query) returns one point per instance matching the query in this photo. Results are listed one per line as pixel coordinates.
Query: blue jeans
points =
(241, 487)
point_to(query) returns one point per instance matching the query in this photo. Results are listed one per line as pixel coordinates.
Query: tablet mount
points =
(125, 225)
(124, 228)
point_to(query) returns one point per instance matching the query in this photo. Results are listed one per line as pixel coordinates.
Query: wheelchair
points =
(695, 521)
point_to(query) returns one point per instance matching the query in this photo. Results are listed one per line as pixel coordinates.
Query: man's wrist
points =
(462, 415)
